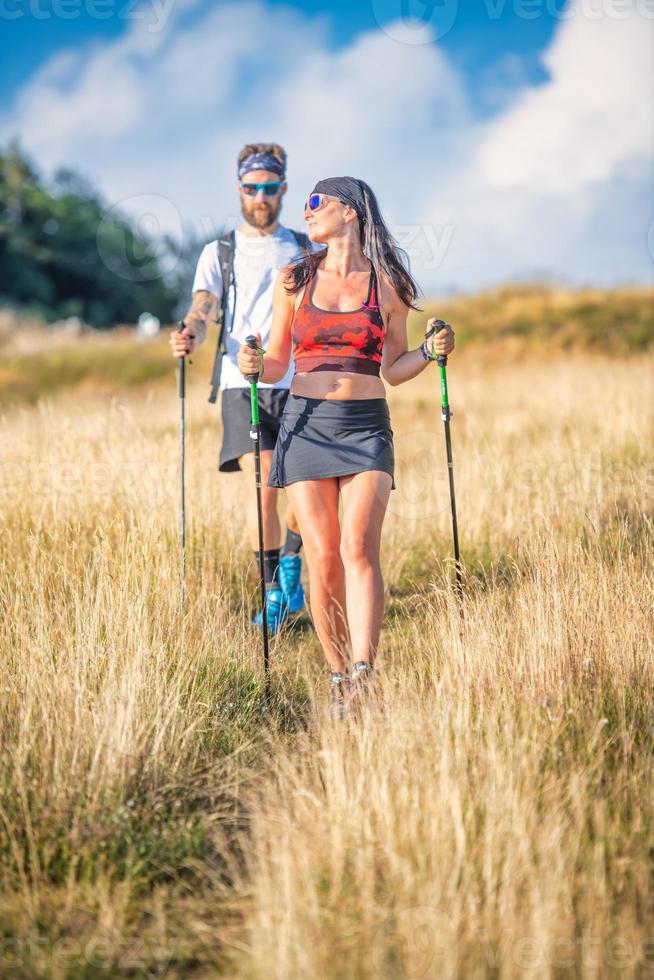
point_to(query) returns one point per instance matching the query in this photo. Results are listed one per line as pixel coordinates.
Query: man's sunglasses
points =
(318, 201)
(269, 187)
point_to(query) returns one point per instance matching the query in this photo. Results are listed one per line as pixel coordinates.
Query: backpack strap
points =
(226, 249)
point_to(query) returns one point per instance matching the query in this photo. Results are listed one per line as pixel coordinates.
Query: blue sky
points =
(486, 37)
(505, 138)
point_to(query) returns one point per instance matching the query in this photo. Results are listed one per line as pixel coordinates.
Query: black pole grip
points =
(251, 342)
(441, 360)
(435, 327)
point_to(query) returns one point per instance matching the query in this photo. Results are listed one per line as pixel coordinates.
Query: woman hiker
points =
(342, 313)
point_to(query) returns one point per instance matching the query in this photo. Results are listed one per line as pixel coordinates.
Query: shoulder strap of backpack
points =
(226, 249)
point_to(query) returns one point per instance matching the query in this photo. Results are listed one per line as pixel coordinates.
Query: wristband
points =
(425, 354)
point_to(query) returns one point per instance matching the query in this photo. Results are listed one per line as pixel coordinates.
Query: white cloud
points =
(594, 113)
(165, 112)
(561, 183)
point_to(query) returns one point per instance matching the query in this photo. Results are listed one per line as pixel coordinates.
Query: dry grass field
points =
(493, 817)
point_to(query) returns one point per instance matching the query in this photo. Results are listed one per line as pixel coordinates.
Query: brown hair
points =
(273, 148)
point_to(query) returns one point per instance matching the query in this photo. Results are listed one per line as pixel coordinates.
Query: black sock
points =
(292, 544)
(270, 566)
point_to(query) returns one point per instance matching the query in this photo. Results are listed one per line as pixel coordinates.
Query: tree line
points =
(64, 253)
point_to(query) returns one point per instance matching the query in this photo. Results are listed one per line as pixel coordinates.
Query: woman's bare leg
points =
(365, 498)
(315, 505)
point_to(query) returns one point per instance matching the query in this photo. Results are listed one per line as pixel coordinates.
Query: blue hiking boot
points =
(290, 567)
(277, 609)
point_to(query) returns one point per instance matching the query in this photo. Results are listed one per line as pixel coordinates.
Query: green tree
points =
(63, 253)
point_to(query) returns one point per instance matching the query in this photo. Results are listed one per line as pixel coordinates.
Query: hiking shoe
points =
(276, 608)
(339, 687)
(362, 684)
(288, 573)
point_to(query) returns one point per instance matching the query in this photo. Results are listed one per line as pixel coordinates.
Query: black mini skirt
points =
(322, 437)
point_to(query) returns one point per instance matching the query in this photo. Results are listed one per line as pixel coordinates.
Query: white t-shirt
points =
(257, 260)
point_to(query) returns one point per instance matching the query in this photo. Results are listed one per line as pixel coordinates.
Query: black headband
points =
(347, 189)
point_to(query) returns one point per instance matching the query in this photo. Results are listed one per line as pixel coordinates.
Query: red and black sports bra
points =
(330, 340)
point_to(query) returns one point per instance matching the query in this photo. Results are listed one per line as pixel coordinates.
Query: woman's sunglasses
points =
(318, 201)
(269, 187)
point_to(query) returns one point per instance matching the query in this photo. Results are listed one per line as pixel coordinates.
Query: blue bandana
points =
(261, 161)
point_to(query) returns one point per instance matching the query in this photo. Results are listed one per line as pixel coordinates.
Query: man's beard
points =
(261, 215)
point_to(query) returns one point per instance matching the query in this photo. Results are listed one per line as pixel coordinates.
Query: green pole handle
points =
(441, 360)
(253, 379)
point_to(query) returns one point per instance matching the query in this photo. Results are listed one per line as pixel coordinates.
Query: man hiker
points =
(237, 273)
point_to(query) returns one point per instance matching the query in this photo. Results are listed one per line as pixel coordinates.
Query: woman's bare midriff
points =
(337, 385)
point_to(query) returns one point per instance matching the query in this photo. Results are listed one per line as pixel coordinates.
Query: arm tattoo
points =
(199, 312)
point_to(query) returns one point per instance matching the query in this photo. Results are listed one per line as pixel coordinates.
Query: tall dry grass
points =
(493, 816)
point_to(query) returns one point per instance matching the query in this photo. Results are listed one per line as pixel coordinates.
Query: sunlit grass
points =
(616, 320)
(493, 817)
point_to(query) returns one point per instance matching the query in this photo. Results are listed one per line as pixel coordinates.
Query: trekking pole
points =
(445, 415)
(182, 462)
(255, 434)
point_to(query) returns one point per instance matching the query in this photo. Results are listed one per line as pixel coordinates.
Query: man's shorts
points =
(236, 416)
